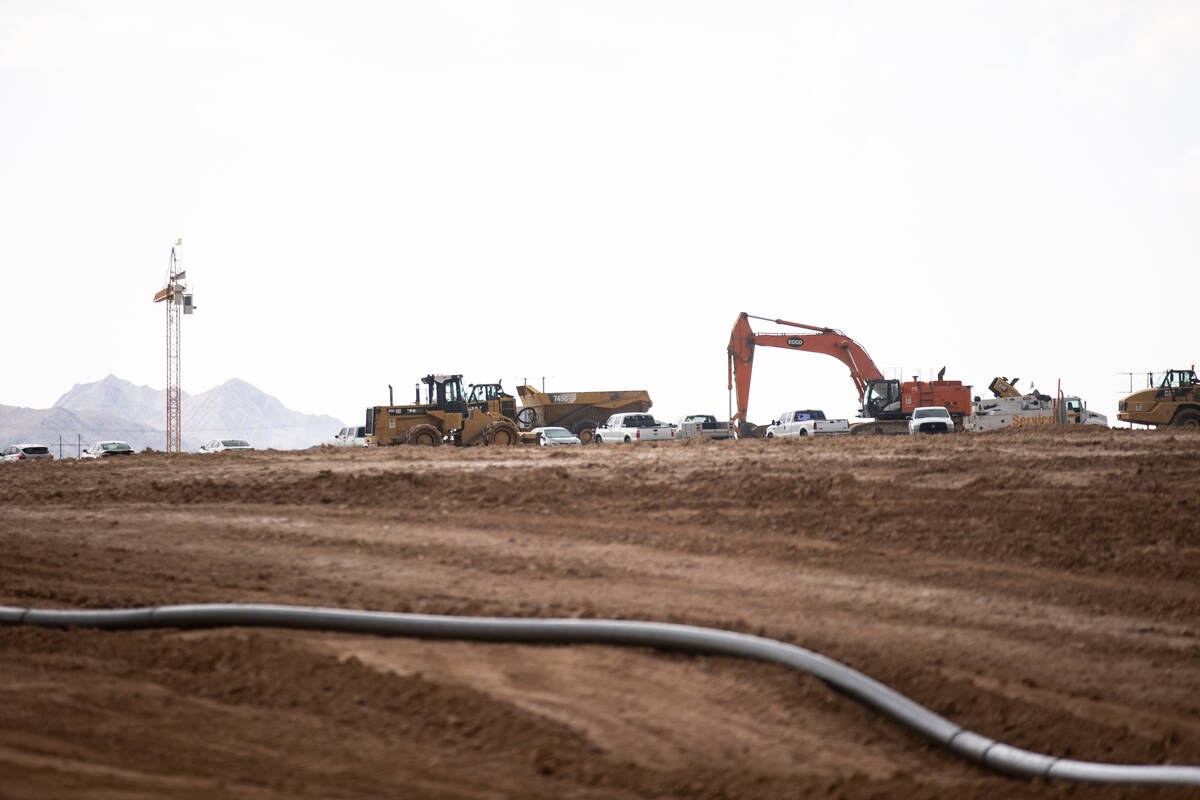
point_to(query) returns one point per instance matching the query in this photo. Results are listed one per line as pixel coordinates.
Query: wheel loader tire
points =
(1187, 419)
(424, 435)
(501, 433)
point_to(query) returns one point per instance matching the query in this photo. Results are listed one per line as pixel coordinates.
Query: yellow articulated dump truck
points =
(449, 415)
(1171, 398)
(578, 412)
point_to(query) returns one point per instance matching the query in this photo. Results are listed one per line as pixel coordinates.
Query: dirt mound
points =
(1038, 587)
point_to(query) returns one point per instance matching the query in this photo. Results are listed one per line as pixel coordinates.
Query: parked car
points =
(26, 452)
(225, 446)
(931, 419)
(350, 437)
(553, 436)
(106, 448)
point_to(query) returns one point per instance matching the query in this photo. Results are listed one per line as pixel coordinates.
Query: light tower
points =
(177, 299)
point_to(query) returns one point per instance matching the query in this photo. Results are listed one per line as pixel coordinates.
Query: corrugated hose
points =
(666, 636)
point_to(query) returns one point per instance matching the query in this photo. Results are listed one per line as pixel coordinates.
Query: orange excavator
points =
(886, 401)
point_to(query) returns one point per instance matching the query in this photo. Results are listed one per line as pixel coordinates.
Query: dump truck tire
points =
(501, 433)
(1187, 419)
(586, 435)
(424, 435)
(583, 425)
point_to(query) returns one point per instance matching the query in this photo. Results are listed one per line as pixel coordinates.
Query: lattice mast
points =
(177, 299)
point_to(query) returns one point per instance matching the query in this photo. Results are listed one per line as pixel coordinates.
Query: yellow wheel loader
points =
(449, 415)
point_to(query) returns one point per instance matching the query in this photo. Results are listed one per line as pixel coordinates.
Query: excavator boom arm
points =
(743, 340)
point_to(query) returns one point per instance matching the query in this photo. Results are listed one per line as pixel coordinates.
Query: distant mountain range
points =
(113, 408)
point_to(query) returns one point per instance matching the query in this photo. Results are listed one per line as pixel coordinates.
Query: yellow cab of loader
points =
(448, 414)
(1173, 398)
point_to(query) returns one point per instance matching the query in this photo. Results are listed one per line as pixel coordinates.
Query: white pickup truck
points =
(806, 422)
(633, 428)
(702, 426)
(930, 419)
(350, 437)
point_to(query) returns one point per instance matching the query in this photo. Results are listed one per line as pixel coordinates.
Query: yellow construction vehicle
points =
(485, 415)
(1003, 387)
(1172, 398)
(579, 412)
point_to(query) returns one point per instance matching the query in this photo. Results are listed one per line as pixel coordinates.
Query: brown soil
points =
(1039, 587)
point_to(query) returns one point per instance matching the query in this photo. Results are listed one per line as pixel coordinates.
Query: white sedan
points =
(225, 446)
(550, 437)
(930, 419)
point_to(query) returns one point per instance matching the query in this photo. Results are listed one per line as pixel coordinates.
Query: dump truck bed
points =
(578, 411)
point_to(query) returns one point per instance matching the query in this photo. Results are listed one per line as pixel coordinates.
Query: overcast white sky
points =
(371, 191)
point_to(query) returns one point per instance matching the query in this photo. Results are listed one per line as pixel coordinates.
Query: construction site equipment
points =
(578, 412)
(177, 299)
(886, 402)
(1171, 398)
(1003, 387)
(1009, 408)
(486, 415)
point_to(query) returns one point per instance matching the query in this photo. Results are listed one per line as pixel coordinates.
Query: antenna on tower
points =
(177, 298)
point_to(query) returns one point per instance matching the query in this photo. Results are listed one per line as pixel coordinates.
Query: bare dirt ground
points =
(1039, 587)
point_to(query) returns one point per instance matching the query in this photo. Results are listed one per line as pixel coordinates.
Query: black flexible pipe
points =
(969, 745)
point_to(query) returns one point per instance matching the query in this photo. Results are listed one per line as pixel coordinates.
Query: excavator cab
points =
(882, 400)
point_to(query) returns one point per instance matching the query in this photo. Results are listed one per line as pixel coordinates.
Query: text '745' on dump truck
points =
(485, 415)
